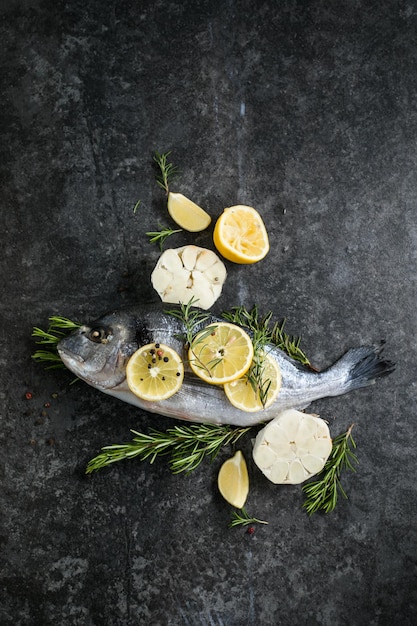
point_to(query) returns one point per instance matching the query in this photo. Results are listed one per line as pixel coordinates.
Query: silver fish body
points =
(98, 353)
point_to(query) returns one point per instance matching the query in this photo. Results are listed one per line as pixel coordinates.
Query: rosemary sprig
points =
(262, 325)
(57, 329)
(242, 518)
(159, 236)
(323, 493)
(187, 445)
(167, 171)
(261, 335)
(191, 317)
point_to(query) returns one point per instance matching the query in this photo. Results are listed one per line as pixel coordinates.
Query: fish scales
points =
(99, 351)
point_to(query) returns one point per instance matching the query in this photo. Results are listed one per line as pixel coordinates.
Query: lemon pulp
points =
(221, 353)
(242, 394)
(155, 372)
(240, 235)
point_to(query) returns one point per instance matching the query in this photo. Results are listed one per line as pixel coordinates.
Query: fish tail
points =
(364, 366)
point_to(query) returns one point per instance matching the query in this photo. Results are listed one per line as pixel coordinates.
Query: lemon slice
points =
(187, 213)
(221, 353)
(242, 394)
(233, 480)
(292, 447)
(154, 372)
(240, 235)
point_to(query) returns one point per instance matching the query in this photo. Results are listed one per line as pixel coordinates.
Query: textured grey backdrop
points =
(305, 110)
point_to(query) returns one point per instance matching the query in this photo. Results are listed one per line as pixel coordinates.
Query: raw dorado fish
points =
(98, 353)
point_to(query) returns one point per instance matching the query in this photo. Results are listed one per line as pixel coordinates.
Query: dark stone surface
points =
(306, 111)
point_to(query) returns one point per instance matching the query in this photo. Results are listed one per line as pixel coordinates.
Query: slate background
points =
(305, 110)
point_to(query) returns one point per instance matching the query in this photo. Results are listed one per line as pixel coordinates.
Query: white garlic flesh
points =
(189, 272)
(292, 447)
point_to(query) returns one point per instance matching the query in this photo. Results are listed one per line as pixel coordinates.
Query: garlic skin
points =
(292, 447)
(189, 272)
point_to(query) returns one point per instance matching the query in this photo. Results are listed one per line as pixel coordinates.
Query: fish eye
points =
(98, 335)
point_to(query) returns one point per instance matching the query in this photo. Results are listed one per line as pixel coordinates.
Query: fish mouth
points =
(71, 356)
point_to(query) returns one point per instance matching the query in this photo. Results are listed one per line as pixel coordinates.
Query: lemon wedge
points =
(243, 396)
(155, 372)
(187, 213)
(233, 480)
(240, 235)
(220, 353)
(292, 447)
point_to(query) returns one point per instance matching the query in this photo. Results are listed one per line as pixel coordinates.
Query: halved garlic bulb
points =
(189, 272)
(292, 447)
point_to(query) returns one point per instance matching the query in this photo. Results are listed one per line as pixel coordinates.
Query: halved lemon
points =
(155, 372)
(187, 213)
(221, 353)
(240, 235)
(233, 480)
(241, 392)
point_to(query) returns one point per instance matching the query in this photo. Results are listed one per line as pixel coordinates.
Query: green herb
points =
(191, 317)
(262, 334)
(187, 445)
(323, 493)
(262, 325)
(135, 208)
(242, 518)
(167, 171)
(161, 235)
(58, 328)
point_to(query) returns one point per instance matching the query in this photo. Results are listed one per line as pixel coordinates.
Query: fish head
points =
(98, 352)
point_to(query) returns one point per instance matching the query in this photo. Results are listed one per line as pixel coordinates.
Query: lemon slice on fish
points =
(187, 213)
(233, 480)
(242, 394)
(221, 353)
(155, 372)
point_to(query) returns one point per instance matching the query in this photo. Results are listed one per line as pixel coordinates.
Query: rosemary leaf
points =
(322, 494)
(159, 236)
(242, 518)
(265, 334)
(167, 171)
(57, 329)
(187, 445)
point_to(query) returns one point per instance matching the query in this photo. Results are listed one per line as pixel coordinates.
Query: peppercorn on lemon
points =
(155, 372)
